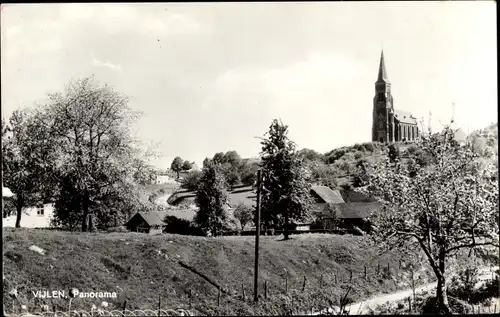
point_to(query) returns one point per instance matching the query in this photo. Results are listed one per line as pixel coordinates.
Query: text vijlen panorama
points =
(73, 293)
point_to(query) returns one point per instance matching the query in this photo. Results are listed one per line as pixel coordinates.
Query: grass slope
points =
(140, 268)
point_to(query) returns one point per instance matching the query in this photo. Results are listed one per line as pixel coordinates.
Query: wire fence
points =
(100, 312)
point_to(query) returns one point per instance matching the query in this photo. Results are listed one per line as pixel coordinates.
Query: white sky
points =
(210, 77)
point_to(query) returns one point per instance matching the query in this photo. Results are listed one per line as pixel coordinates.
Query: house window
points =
(40, 211)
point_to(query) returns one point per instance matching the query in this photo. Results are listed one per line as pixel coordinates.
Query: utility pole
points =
(257, 234)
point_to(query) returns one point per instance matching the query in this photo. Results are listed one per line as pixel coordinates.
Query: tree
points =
(97, 155)
(176, 165)
(218, 158)
(192, 180)
(394, 152)
(286, 192)
(310, 155)
(248, 172)
(211, 199)
(206, 162)
(448, 205)
(27, 160)
(186, 166)
(244, 214)
(232, 178)
(233, 158)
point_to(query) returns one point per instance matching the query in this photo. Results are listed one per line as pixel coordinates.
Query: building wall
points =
(164, 179)
(32, 217)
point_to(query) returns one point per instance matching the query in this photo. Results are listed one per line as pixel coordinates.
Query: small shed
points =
(151, 222)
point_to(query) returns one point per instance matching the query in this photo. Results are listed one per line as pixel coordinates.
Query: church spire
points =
(382, 72)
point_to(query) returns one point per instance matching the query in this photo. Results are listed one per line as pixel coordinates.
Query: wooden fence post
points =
(218, 298)
(413, 285)
(350, 278)
(265, 289)
(159, 305)
(495, 309)
(378, 268)
(409, 303)
(304, 284)
(243, 292)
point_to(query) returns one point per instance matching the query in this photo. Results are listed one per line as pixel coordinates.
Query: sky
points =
(211, 77)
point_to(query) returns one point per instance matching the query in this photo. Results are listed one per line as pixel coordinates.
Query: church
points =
(389, 124)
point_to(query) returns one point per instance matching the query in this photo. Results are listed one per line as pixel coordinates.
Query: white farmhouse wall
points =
(164, 179)
(31, 219)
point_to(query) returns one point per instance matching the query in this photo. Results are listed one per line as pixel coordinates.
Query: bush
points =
(190, 182)
(181, 226)
(118, 229)
(462, 285)
(457, 306)
(368, 147)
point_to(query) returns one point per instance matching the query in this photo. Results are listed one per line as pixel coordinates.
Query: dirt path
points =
(363, 307)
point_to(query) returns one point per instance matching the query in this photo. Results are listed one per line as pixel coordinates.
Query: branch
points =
(472, 245)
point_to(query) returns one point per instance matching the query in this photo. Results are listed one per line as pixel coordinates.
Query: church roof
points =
(382, 72)
(404, 117)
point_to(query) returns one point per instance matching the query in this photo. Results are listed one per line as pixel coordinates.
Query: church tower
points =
(383, 109)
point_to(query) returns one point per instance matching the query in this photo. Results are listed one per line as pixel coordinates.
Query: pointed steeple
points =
(382, 72)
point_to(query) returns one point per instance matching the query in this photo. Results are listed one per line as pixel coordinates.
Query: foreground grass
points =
(141, 269)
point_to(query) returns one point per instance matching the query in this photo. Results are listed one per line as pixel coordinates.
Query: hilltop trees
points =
(211, 198)
(448, 204)
(186, 166)
(285, 194)
(176, 165)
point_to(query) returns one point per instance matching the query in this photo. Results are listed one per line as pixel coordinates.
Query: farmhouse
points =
(39, 216)
(345, 209)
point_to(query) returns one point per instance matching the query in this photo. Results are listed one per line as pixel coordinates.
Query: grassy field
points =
(142, 268)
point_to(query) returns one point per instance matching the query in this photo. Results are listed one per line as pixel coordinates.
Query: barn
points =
(151, 222)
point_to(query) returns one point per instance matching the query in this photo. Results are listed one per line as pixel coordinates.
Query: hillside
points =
(140, 268)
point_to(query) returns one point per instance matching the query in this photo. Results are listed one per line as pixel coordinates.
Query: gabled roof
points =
(152, 218)
(156, 218)
(328, 195)
(404, 117)
(358, 210)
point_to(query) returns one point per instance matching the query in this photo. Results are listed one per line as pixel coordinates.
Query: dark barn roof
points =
(328, 195)
(360, 210)
(156, 218)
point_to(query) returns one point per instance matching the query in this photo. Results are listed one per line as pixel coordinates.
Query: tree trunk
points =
(85, 215)
(285, 231)
(91, 223)
(441, 294)
(19, 211)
